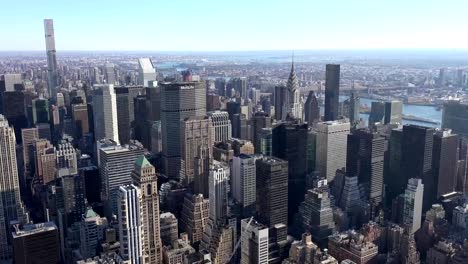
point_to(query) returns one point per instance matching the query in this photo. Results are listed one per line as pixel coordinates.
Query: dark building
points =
(80, 120)
(40, 111)
(332, 92)
(377, 113)
(36, 244)
(92, 183)
(444, 162)
(354, 109)
(266, 105)
(395, 181)
(71, 191)
(365, 159)
(125, 110)
(455, 117)
(260, 120)
(15, 112)
(240, 86)
(220, 86)
(272, 191)
(240, 127)
(233, 107)
(140, 124)
(416, 159)
(178, 101)
(311, 109)
(393, 112)
(290, 144)
(153, 99)
(280, 97)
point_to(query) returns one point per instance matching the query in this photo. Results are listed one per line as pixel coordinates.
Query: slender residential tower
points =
(51, 57)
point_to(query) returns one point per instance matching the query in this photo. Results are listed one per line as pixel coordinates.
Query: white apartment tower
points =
(105, 112)
(244, 182)
(412, 208)
(332, 141)
(130, 228)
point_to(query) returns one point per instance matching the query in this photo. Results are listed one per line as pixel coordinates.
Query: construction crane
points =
(239, 240)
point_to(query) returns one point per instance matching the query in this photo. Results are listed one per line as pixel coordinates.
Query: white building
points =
(244, 182)
(222, 125)
(130, 228)
(105, 112)
(146, 72)
(254, 238)
(332, 142)
(460, 216)
(412, 208)
(218, 190)
(11, 80)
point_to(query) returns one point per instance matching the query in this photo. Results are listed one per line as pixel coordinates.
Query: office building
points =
(218, 192)
(377, 113)
(365, 159)
(178, 102)
(40, 111)
(80, 120)
(244, 183)
(45, 161)
(254, 242)
(105, 112)
(195, 214)
(110, 74)
(332, 92)
(311, 110)
(455, 117)
(241, 127)
(350, 245)
(240, 86)
(130, 224)
(413, 204)
(272, 191)
(331, 147)
(66, 157)
(222, 125)
(196, 139)
(266, 141)
(125, 96)
(146, 72)
(52, 74)
(144, 177)
(280, 99)
(395, 181)
(178, 252)
(116, 164)
(36, 243)
(317, 215)
(220, 86)
(292, 106)
(12, 80)
(290, 144)
(29, 136)
(354, 109)
(169, 228)
(416, 159)
(393, 112)
(260, 120)
(71, 190)
(14, 110)
(444, 162)
(92, 228)
(442, 252)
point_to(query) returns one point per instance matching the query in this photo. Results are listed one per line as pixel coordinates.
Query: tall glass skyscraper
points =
(52, 75)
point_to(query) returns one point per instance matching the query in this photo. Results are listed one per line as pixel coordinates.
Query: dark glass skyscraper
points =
(332, 91)
(52, 74)
(178, 101)
(125, 110)
(416, 159)
(260, 120)
(311, 109)
(280, 97)
(290, 144)
(444, 162)
(455, 117)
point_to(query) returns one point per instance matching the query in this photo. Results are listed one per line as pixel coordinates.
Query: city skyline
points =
(212, 26)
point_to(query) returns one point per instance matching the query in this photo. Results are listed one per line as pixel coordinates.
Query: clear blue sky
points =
(192, 25)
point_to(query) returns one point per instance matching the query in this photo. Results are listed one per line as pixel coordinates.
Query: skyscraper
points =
(36, 243)
(254, 242)
(29, 135)
(244, 183)
(455, 117)
(110, 73)
(260, 120)
(365, 159)
(80, 120)
(280, 98)
(393, 112)
(272, 191)
(444, 162)
(354, 109)
(52, 75)
(196, 150)
(105, 112)
(290, 144)
(125, 110)
(292, 105)
(377, 113)
(416, 159)
(195, 213)
(413, 202)
(395, 181)
(144, 177)
(331, 148)
(178, 101)
(146, 72)
(218, 188)
(332, 91)
(311, 109)
(40, 111)
(130, 228)
(10, 205)
(222, 125)
(116, 164)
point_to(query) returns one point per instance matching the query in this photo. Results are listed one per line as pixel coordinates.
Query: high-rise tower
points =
(105, 113)
(52, 75)
(292, 105)
(311, 109)
(332, 91)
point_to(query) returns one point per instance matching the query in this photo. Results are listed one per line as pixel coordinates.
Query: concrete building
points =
(413, 200)
(393, 112)
(195, 213)
(222, 126)
(11, 80)
(36, 243)
(80, 120)
(331, 147)
(460, 216)
(455, 117)
(92, 228)
(169, 228)
(130, 224)
(351, 245)
(105, 112)
(66, 158)
(178, 252)
(178, 102)
(254, 242)
(125, 96)
(29, 136)
(244, 186)
(146, 71)
(441, 253)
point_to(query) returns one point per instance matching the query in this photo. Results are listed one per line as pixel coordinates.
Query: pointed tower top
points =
(142, 162)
